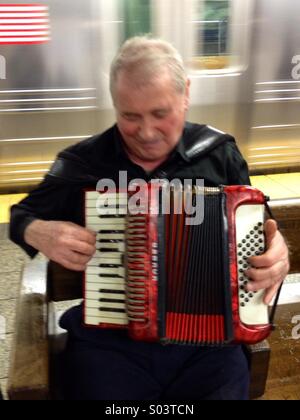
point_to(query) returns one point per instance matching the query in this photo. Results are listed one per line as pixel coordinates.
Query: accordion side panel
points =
(243, 333)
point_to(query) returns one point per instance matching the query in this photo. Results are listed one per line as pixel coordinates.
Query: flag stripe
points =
(22, 8)
(22, 15)
(23, 40)
(38, 20)
(24, 24)
(23, 33)
(23, 27)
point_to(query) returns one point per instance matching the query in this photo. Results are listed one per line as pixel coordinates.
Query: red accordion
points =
(167, 279)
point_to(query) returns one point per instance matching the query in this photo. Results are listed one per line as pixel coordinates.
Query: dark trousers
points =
(107, 365)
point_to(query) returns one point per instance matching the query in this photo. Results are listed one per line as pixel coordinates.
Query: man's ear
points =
(187, 94)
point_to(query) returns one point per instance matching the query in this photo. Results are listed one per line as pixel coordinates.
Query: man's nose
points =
(147, 130)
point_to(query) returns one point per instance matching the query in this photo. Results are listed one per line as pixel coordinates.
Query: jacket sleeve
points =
(47, 202)
(237, 167)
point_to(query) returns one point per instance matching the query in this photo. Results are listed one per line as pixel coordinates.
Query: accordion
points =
(167, 279)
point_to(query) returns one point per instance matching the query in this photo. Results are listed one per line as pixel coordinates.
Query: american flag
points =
(24, 24)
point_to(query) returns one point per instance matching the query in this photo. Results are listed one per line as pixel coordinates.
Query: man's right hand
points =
(66, 243)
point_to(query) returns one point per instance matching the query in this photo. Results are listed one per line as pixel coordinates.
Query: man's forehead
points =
(139, 79)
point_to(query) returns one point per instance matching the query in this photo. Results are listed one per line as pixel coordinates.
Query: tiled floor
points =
(11, 260)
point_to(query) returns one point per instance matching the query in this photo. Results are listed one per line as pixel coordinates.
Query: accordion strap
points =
(198, 144)
(68, 168)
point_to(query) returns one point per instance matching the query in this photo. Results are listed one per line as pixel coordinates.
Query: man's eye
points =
(130, 117)
(160, 115)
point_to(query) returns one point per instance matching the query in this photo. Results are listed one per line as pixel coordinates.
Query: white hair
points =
(144, 58)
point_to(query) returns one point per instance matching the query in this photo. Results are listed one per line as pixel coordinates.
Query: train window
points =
(136, 17)
(220, 34)
(212, 26)
(211, 34)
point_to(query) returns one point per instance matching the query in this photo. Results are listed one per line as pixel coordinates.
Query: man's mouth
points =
(149, 144)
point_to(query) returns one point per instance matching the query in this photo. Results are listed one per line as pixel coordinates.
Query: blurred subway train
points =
(243, 59)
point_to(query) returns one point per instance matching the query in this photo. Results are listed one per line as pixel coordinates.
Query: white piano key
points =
(97, 304)
(95, 287)
(115, 258)
(101, 257)
(104, 221)
(117, 246)
(94, 278)
(118, 220)
(112, 305)
(101, 209)
(112, 289)
(112, 198)
(96, 320)
(94, 195)
(93, 296)
(112, 296)
(101, 301)
(116, 223)
(102, 271)
(107, 313)
(117, 271)
(102, 315)
(108, 211)
(110, 236)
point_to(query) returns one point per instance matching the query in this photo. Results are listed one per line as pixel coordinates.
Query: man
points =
(150, 92)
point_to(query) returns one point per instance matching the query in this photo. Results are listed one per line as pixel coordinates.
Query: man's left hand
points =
(269, 269)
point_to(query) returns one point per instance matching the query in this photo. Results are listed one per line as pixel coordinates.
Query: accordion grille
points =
(197, 284)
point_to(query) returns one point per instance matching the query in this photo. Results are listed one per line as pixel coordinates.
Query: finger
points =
(263, 278)
(277, 251)
(77, 258)
(270, 229)
(71, 266)
(82, 234)
(83, 248)
(261, 274)
(68, 261)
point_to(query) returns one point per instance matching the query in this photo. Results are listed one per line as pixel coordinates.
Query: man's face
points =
(150, 118)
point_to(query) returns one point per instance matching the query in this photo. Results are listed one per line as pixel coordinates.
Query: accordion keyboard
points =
(105, 273)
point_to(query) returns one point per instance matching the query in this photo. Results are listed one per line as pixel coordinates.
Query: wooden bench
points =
(33, 372)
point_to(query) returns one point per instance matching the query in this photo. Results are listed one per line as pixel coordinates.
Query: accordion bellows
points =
(167, 279)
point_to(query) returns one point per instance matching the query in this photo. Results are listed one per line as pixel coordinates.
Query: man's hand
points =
(270, 268)
(68, 244)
